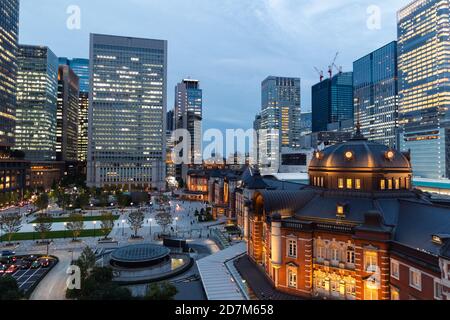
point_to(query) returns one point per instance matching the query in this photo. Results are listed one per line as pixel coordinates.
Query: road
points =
(53, 286)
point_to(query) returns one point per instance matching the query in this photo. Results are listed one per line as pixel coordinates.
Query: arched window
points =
(341, 183)
(358, 184)
(382, 184)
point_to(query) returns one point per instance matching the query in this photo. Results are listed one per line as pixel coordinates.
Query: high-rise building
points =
(81, 68)
(127, 112)
(281, 108)
(375, 90)
(37, 87)
(189, 115)
(332, 101)
(67, 115)
(424, 86)
(9, 32)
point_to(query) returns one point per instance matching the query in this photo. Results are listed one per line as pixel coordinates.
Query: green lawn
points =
(53, 235)
(69, 219)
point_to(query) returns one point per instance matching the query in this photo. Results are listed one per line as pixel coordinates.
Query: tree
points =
(163, 217)
(42, 201)
(123, 200)
(9, 290)
(161, 291)
(82, 200)
(136, 221)
(86, 262)
(43, 224)
(99, 285)
(107, 223)
(76, 224)
(11, 223)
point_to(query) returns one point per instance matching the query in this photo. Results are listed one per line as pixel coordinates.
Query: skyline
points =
(249, 42)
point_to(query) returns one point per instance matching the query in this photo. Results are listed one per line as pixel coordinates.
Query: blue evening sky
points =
(229, 45)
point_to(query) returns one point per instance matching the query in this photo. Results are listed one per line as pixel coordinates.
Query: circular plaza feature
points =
(140, 256)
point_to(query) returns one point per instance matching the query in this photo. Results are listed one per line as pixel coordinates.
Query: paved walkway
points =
(260, 286)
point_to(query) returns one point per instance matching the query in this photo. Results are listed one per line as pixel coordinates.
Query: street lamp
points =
(123, 227)
(34, 230)
(176, 226)
(65, 229)
(94, 223)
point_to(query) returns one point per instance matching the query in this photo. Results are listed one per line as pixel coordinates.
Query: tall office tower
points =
(81, 68)
(170, 144)
(281, 108)
(189, 115)
(67, 115)
(256, 144)
(170, 126)
(424, 86)
(127, 112)
(9, 31)
(332, 101)
(37, 87)
(375, 90)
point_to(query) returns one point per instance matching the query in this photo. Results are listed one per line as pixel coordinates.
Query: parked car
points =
(3, 268)
(44, 263)
(8, 253)
(12, 268)
(35, 264)
(25, 264)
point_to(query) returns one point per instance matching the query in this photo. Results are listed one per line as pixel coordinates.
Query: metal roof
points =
(218, 282)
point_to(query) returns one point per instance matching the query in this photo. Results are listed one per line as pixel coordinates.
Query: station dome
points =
(359, 164)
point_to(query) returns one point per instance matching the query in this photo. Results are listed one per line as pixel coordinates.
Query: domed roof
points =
(359, 153)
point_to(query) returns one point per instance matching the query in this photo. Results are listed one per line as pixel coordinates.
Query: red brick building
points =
(358, 231)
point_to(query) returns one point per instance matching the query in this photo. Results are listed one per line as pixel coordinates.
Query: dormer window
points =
(341, 210)
(437, 240)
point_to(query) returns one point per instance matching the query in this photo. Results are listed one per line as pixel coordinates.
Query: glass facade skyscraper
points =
(81, 68)
(67, 115)
(9, 33)
(37, 87)
(375, 82)
(281, 108)
(127, 112)
(332, 101)
(189, 114)
(424, 85)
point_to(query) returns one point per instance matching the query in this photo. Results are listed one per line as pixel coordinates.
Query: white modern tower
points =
(127, 112)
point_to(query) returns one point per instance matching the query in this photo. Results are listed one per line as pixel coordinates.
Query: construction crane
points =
(330, 67)
(320, 72)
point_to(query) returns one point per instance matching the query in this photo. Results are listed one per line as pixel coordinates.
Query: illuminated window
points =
(370, 291)
(370, 261)
(382, 184)
(349, 183)
(395, 293)
(341, 183)
(340, 210)
(292, 278)
(358, 184)
(397, 184)
(390, 184)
